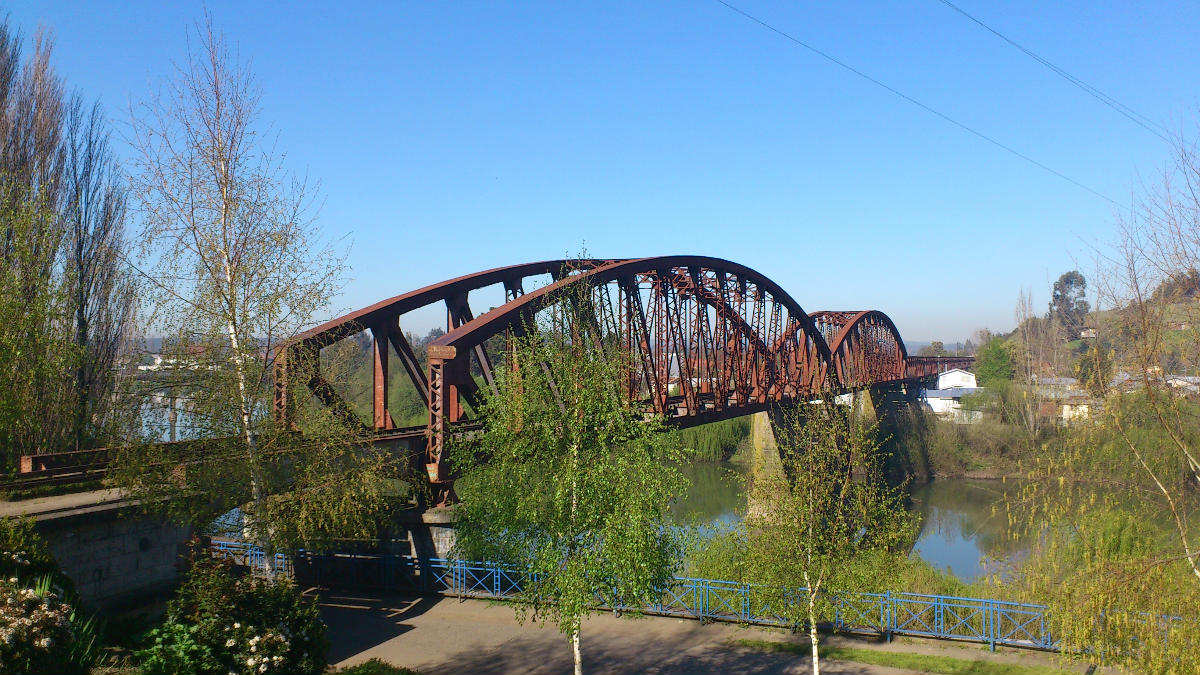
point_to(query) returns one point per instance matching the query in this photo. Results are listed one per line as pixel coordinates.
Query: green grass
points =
(375, 667)
(919, 662)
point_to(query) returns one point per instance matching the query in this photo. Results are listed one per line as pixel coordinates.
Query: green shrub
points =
(220, 623)
(25, 556)
(33, 630)
(376, 667)
(41, 626)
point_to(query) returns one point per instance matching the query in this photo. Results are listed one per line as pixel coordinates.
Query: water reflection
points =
(962, 521)
(716, 498)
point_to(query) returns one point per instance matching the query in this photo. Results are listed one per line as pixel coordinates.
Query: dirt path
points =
(443, 636)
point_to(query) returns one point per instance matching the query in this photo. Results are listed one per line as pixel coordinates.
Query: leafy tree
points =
(935, 348)
(237, 270)
(829, 522)
(65, 299)
(1068, 303)
(570, 481)
(1108, 520)
(1094, 369)
(994, 363)
(1111, 513)
(99, 287)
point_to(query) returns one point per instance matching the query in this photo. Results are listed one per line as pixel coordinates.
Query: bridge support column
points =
(895, 407)
(434, 536)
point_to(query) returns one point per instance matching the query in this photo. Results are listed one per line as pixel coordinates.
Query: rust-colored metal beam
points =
(729, 339)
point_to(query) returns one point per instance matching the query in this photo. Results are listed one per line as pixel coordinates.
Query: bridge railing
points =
(993, 622)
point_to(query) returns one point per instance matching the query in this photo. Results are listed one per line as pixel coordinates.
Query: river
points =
(958, 526)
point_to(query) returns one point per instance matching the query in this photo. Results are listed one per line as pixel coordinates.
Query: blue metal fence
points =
(993, 622)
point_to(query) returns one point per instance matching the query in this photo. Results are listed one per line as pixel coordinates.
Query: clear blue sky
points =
(453, 137)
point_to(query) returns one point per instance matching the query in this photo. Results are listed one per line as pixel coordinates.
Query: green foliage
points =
(177, 648)
(568, 480)
(1108, 515)
(717, 441)
(25, 557)
(219, 623)
(1068, 303)
(994, 363)
(935, 348)
(375, 667)
(924, 446)
(36, 355)
(719, 555)
(921, 663)
(829, 521)
(1094, 369)
(313, 487)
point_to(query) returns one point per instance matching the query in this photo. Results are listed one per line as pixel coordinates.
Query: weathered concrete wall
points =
(434, 536)
(115, 555)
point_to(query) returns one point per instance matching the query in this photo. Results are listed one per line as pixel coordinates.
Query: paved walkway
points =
(444, 636)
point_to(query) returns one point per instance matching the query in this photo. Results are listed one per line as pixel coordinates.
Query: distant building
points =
(1062, 399)
(946, 400)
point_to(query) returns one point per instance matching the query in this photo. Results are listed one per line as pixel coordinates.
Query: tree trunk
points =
(578, 654)
(247, 424)
(812, 625)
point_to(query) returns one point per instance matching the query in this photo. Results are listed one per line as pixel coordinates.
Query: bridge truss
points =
(711, 340)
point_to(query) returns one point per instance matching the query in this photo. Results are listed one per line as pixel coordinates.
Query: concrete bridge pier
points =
(432, 533)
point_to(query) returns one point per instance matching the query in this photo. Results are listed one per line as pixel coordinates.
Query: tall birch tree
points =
(828, 521)
(236, 268)
(569, 481)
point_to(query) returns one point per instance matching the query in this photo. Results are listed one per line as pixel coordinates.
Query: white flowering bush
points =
(219, 624)
(41, 628)
(35, 630)
(261, 651)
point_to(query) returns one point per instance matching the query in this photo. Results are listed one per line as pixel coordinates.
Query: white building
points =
(946, 400)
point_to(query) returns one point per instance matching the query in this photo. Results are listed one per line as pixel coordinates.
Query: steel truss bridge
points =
(711, 340)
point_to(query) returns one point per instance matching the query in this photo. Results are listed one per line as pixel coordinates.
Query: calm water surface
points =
(958, 527)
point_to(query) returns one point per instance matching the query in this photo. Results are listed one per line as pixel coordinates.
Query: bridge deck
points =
(71, 504)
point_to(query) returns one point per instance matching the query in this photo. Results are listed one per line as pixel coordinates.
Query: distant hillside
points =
(915, 346)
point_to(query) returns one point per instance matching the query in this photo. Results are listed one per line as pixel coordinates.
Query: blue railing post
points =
(887, 619)
(991, 616)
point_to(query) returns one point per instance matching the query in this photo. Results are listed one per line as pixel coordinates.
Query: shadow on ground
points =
(362, 622)
(603, 654)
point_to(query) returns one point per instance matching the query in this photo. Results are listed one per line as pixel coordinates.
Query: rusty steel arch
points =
(729, 340)
(712, 339)
(866, 347)
(382, 319)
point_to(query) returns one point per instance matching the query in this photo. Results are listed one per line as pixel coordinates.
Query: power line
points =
(917, 103)
(1133, 115)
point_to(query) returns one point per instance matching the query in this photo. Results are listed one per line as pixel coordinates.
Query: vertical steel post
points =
(379, 379)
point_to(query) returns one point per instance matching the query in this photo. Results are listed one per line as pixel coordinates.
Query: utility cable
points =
(1133, 115)
(917, 103)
